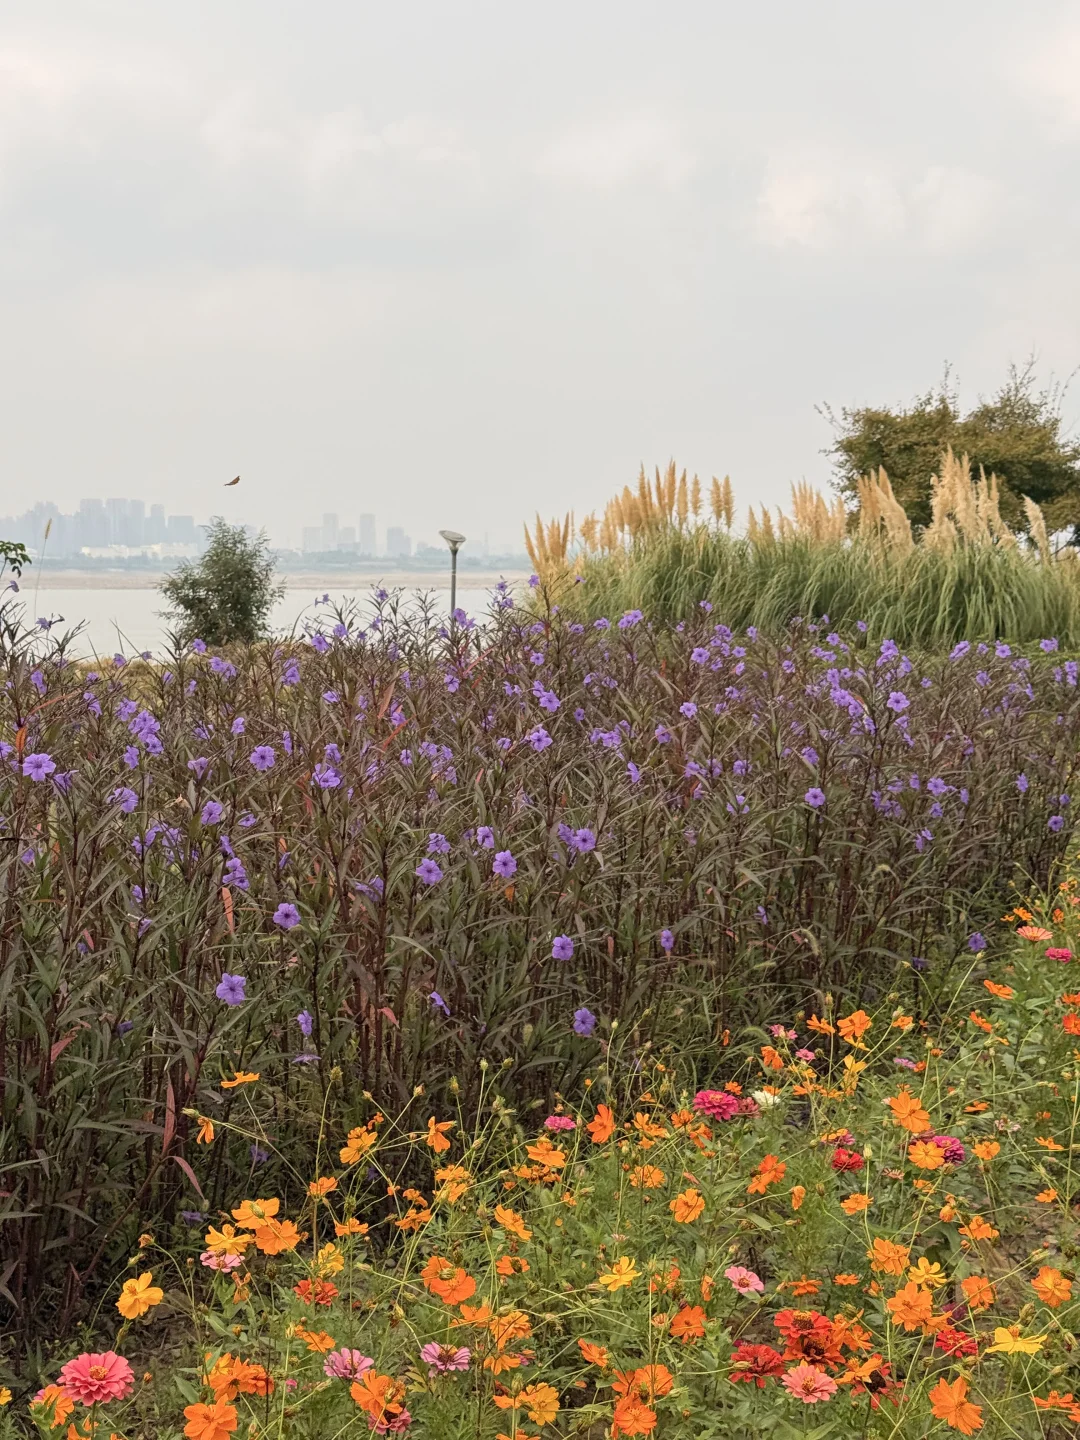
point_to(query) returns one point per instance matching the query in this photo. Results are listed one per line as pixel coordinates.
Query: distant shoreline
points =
(303, 580)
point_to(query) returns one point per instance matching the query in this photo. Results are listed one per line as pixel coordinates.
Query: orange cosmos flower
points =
(593, 1354)
(978, 1292)
(1052, 1287)
(511, 1265)
(846, 1279)
(277, 1237)
(379, 1395)
(454, 1181)
(317, 1341)
(226, 1241)
(856, 1203)
(688, 1325)
(949, 1402)
(888, 1258)
(546, 1154)
(632, 1417)
(359, 1142)
(983, 1024)
(447, 1280)
(798, 1195)
(252, 1213)
(602, 1127)
(986, 1149)
(512, 1223)
(540, 1402)
(647, 1177)
(908, 1111)
(322, 1186)
(210, 1422)
(1046, 1197)
(926, 1155)
(820, 1027)
(1003, 992)
(686, 1206)
(979, 1229)
(708, 1285)
(53, 1404)
(1048, 1142)
(853, 1027)
(1071, 1023)
(206, 1131)
(240, 1077)
(435, 1138)
(771, 1059)
(770, 1171)
(911, 1306)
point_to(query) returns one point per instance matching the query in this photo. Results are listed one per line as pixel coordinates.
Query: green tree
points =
(228, 593)
(1017, 434)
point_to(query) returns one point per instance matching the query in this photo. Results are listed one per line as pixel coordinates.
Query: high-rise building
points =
(397, 542)
(155, 526)
(330, 529)
(312, 539)
(180, 530)
(367, 541)
(346, 537)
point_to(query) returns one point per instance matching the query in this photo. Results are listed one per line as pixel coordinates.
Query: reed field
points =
(373, 1007)
(966, 576)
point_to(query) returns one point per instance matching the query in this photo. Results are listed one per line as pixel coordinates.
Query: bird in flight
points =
(232, 482)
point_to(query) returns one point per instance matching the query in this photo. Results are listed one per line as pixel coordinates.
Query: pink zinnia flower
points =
(1055, 953)
(950, 1147)
(805, 1054)
(809, 1384)
(717, 1104)
(441, 1358)
(346, 1364)
(779, 1032)
(559, 1122)
(224, 1263)
(392, 1424)
(95, 1379)
(746, 1105)
(745, 1281)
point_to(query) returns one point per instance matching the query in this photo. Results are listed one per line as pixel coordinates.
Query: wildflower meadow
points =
(538, 1027)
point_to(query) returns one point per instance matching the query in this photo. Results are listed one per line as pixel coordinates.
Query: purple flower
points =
(326, 777)
(212, 812)
(331, 697)
(437, 844)
(699, 655)
(429, 872)
(125, 798)
(976, 942)
(263, 757)
(504, 865)
(630, 619)
(584, 1022)
(287, 916)
(199, 646)
(633, 773)
(538, 738)
(951, 1148)
(439, 1003)
(1055, 823)
(688, 708)
(291, 674)
(562, 948)
(441, 1358)
(667, 941)
(583, 841)
(259, 1156)
(38, 766)
(897, 701)
(346, 1364)
(198, 765)
(305, 1021)
(238, 725)
(814, 797)
(662, 735)
(230, 988)
(1022, 783)
(1048, 646)
(485, 837)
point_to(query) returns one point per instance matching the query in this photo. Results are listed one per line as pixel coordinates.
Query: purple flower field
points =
(386, 857)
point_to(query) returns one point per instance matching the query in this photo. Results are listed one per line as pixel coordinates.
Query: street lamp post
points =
(455, 541)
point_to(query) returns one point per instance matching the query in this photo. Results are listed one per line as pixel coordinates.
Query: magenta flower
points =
(717, 1104)
(441, 1358)
(559, 1122)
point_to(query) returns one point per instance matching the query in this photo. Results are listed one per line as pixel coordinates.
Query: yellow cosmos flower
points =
(139, 1296)
(623, 1272)
(930, 1276)
(1009, 1341)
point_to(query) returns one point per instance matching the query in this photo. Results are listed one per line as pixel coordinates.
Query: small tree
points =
(1017, 435)
(228, 593)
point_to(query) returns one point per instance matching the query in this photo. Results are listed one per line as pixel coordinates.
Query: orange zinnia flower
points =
(949, 1402)
(770, 1171)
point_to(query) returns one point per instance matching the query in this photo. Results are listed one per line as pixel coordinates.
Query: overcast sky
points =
(454, 261)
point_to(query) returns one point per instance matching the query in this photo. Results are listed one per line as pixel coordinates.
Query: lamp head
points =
(452, 538)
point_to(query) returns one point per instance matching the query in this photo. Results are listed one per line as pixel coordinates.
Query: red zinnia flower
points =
(847, 1159)
(755, 1364)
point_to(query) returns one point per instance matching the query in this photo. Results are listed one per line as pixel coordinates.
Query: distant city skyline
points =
(122, 525)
